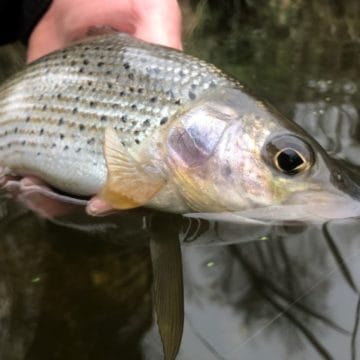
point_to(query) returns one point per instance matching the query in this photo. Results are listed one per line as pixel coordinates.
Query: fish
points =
(140, 124)
(116, 119)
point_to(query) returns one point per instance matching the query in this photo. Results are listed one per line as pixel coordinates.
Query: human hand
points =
(156, 21)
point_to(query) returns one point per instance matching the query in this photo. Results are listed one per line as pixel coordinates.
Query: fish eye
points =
(289, 161)
(289, 154)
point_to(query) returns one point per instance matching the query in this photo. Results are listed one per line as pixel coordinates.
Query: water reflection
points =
(82, 288)
(335, 127)
(289, 294)
(70, 294)
(80, 294)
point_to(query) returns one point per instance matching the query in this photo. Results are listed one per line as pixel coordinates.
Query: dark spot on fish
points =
(92, 104)
(193, 86)
(109, 85)
(192, 96)
(170, 94)
(77, 98)
(89, 82)
(163, 120)
(81, 127)
(226, 171)
(131, 76)
(146, 122)
(23, 142)
(140, 90)
(41, 97)
(82, 55)
(61, 121)
(64, 56)
(90, 73)
(133, 123)
(109, 48)
(66, 147)
(136, 132)
(81, 70)
(114, 106)
(122, 93)
(86, 48)
(212, 84)
(91, 141)
(78, 150)
(53, 146)
(86, 62)
(62, 136)
(93, 89)
(103, 118)
(38, 154)
(9, 145)
(100, 64)
(123, 118)
(27, 119)
(75, 110)
(137, 141)
(126, 66)
(123, 143)
(131, 89)
(108, 72)
(156, 70)
(41, 131)
(44, 107)
(133, 107)
(73, 63)
(177, 102)
(181, 73)
(153, 99)
(58, 96)
(15, 130)
(97, 48)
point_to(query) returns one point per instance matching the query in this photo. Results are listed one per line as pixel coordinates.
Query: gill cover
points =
(191, 143)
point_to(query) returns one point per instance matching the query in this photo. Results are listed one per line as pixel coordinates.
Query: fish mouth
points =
(339, 199)
(311, 207)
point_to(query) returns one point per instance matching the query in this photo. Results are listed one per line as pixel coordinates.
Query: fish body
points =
(53, 114)
(143, 124)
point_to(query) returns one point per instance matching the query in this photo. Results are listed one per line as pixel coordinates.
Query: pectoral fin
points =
(168, 292)
(128, 185)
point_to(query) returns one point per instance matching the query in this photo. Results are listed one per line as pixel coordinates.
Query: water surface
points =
(83, 291)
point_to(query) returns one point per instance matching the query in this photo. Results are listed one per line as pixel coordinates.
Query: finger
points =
(159, 22)
(156, 21)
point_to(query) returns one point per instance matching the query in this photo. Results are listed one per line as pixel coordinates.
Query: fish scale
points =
(54, 113)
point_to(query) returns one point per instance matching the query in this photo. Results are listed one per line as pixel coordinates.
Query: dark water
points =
(250, 292)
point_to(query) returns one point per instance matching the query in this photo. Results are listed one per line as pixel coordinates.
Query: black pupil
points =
(289, 160)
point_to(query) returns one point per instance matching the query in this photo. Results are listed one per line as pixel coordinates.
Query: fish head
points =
(230, 153)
